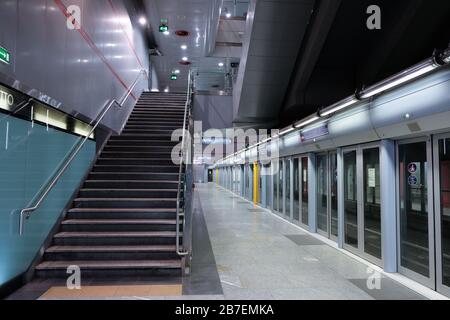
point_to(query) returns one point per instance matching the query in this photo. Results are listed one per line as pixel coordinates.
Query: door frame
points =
(360, 250)
(288, 205)
(327, 171)
(327, 154)
(431, 281)
(440, 287)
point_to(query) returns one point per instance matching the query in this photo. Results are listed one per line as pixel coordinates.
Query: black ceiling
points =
(341, 54)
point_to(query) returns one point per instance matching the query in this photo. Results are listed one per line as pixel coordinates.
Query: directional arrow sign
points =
(4, 55)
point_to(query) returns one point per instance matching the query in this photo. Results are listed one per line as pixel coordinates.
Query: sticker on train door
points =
(412, 180)
(412, 167)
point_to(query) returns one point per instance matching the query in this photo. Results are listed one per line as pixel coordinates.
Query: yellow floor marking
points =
(114, 291)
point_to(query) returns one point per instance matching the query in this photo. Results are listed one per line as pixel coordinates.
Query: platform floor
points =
(260, 256)
(243, 252)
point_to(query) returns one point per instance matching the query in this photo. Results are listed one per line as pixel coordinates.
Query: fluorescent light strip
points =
(389, 85)
(337, 108)
(285, 131)
(366, 94)
(306, 122)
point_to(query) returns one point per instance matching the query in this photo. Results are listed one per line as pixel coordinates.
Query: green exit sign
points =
(5, 57)
(173, 77)
(163, 28)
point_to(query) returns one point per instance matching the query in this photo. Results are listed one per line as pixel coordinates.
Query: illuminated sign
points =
(5, 57)
(314, 133)
(6, 100)
(173, 77)
(163, 28)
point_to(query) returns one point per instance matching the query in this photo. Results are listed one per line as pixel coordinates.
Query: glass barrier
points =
(34, 143)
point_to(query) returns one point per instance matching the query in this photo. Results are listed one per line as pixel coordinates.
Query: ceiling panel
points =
(196, 17)
(274, 35)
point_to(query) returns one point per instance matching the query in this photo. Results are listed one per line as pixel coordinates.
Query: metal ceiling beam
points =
(319, 29)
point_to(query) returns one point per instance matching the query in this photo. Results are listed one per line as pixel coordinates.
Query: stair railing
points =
(185, 159)
(25, 213)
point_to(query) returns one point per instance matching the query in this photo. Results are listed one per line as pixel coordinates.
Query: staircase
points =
(123, 222)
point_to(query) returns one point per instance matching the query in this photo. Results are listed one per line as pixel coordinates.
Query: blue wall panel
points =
(29, 157)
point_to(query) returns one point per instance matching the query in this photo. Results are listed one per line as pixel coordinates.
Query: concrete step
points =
(132, 148)
(147, 136)
(174, 123)
(115, 253)
(152, 127)
(142, 143)
(160, 111)
(114, 225)
(149, 131)
(137, 155)
(102, 269)
(125, 203)
(136, 168)
(155, 118)
(125, 213)
(128, 193)
(134, 161)
(115, 238)
(131, 184)
(152, 176)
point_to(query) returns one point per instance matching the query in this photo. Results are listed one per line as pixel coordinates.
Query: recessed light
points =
(185, 58)
(176, 71)
(166, 90)
(166, 33)
(221, 64)
(228, 15)
(142, 21)
(184, 47)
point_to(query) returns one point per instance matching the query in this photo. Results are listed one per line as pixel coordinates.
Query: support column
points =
(291, 189)
(242, 173)
(388, 205)
(312, 200)
(263, 186)
(250, 183)
(255, 183)
(340, 192)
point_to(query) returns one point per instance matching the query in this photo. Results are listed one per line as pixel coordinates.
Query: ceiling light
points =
(166, 33)
(155, 90)
(176, 71)
(185, 58)
(228, 15)
(221, 64)
(184, 47)
(142, 21)
(338, 106)
(166, 90)
(307, 121)
(286, 130)
(400, 78)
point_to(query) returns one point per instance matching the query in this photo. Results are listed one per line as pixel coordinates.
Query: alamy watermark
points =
(374, 20)
(73, 17)
(373, 280)
(214, 144)
(74, 280)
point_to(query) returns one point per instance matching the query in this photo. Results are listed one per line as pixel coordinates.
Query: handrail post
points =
(187, 115)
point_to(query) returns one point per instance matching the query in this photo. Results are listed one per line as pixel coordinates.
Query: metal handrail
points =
(26, 212)
(187, 108)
